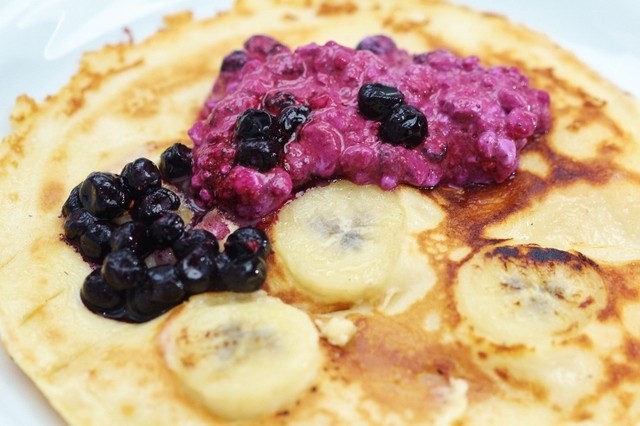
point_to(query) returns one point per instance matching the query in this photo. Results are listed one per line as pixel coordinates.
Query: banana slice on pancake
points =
(340, 241)
(346, 244)
(242, 356)
(528, 295)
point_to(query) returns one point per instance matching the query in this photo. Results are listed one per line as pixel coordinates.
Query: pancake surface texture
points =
(509, 303)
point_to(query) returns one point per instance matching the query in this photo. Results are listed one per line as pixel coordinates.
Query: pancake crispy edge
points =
(129, 101)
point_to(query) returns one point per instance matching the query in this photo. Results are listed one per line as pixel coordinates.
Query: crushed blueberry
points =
(378, 44)
(275, 102)
(261, 154)
(263, 45)
(234, 61)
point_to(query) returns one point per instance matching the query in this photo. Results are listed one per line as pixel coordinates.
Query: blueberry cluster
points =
(400, 124)
(261, 136)
(120, 221)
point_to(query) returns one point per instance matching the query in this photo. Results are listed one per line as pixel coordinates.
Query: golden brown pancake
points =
(521, 302)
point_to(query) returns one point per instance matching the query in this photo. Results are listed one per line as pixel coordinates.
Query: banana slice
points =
(527, 294)
(340, 242)
(241, 355)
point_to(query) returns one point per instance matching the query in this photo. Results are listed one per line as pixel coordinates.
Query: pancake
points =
(506, 302)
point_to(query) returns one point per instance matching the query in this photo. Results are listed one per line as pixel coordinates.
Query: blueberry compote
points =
(147, 259)
(279, 120)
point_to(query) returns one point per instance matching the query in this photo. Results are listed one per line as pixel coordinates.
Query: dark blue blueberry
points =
(234, 61)
(261, 154)
(77, 222)
(99, 297)
(73, 202)
(376, 101)
(161, 291)
(166, 230)
(378, 44)
(247, 241)
(141, 176)
(254, 124)
(290, 118)
(406, 126)
(94, 241)
(132, 235)
(175, 163)
(198, 270)
(153, 205)
(244, 274)
(104, 195)
(123, 269)
(192, 239)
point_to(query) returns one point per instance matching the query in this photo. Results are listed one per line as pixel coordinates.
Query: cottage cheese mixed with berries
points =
(278, 121)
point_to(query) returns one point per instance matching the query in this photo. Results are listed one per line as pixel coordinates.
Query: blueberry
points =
(378, 44)
(291, 117)
(254, 124)
(77, 223)
(234, 61)
(153, 205)
(94, 241)
(222, 262)
(261, 154)
(141, 176)
(405, 126)
(123, 269)
(104, 195)
(175, 163)
(244, 274)
(198, 270)
(167, 229)
(132, 235)
(247, 241)
(277, 101)
(193, 238)
(98, 296)
(376, 101)
(73, 202)
(161, 291)
(262, 44)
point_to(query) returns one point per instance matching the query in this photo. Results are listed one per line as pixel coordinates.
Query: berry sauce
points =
(470, 111)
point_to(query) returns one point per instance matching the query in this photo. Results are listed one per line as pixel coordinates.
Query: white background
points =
(41, 43)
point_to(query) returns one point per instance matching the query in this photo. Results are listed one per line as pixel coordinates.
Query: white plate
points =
(41, 42)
